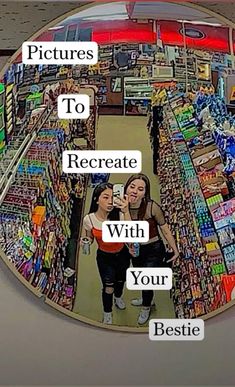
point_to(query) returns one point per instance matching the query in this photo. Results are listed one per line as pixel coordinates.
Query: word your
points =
(128, 231)
(102, 161)
(149, 278)
(176, 329)
(59, 53)
(73, 106)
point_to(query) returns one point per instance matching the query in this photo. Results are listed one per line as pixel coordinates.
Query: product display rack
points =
(35, 218)
(41, 207)
(198, 288)
(2, 118)
(137, 95)
(10, 109)
(197, 155)
(218, 184)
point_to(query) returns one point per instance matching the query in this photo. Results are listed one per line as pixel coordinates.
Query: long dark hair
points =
(147, 196)
(114, 214)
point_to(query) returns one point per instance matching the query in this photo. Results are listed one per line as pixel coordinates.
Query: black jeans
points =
(112, 268)
(151, 255)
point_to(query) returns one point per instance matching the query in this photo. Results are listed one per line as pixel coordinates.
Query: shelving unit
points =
(2, 118)
(137, 96)
(198, 287)
(41, 208)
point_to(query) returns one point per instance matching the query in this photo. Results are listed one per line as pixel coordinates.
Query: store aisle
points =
(118, 133)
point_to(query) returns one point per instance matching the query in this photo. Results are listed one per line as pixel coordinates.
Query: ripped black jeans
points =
(112, 268)
(151, 255)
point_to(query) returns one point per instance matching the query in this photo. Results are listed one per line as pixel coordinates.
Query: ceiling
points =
(144, 10)
(21, 19)
(169, 11)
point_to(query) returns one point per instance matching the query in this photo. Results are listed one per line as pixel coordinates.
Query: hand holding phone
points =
(118, 194)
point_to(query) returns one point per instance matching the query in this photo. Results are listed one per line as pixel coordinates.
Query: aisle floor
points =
(118, 133)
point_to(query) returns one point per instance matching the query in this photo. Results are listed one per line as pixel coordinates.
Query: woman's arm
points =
(87, 229)
(167, 234)
(87, 234)
(170, 240)
(123, 205)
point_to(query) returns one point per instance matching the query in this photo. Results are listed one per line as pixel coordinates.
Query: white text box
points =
(60, 53)
(102, 161)
(176, 329)
(146, 278)
(125, 231)
(73, 106)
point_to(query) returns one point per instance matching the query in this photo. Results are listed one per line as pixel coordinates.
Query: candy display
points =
(195, 166)
(197, 290)
(41, 207)
(35, 219)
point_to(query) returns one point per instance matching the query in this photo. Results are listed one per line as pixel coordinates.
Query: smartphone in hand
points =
(118, 193)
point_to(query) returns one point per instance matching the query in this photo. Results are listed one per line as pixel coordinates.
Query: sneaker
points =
(108, 319)
(144, 316)
(139, 302)
(120, 304)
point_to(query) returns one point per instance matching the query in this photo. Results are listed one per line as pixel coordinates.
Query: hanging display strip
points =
(16, 149)
(198, 286)
(35, 218)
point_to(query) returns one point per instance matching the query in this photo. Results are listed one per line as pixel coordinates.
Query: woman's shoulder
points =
(152, 203)
(154, 207)
(87, 220)
(93, 221)
(155, 203)
(87, 216)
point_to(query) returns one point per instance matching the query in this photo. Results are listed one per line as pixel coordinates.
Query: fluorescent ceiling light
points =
(104, 10)
(200, 22)
(106, 17)
(55, 28)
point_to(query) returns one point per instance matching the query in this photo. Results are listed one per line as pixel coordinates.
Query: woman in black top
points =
(142, 207)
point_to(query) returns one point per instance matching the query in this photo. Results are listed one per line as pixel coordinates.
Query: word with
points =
(73, 106)
(176, 329)
(149, 278)
(128, 231)
(102, 161)
(59, 53)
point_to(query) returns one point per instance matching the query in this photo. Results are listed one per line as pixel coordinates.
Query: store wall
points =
(3, 61)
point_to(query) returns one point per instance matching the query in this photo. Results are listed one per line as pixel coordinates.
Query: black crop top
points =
(154, 216)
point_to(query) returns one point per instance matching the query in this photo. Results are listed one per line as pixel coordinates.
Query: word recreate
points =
(60, 53)
(176, 329)
(73, 106)
(102, 161)
(153, 278)
(125, 231)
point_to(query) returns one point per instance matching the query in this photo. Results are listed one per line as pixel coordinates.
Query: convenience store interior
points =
(168, 52)
(46, 347)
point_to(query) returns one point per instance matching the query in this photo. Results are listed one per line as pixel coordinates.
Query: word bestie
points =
(176, 329)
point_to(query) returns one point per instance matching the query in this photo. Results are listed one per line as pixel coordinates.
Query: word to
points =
(154, 278)
(176, 329)
(73, 106)
(128, 231)
(60, 53)
(102, 161)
